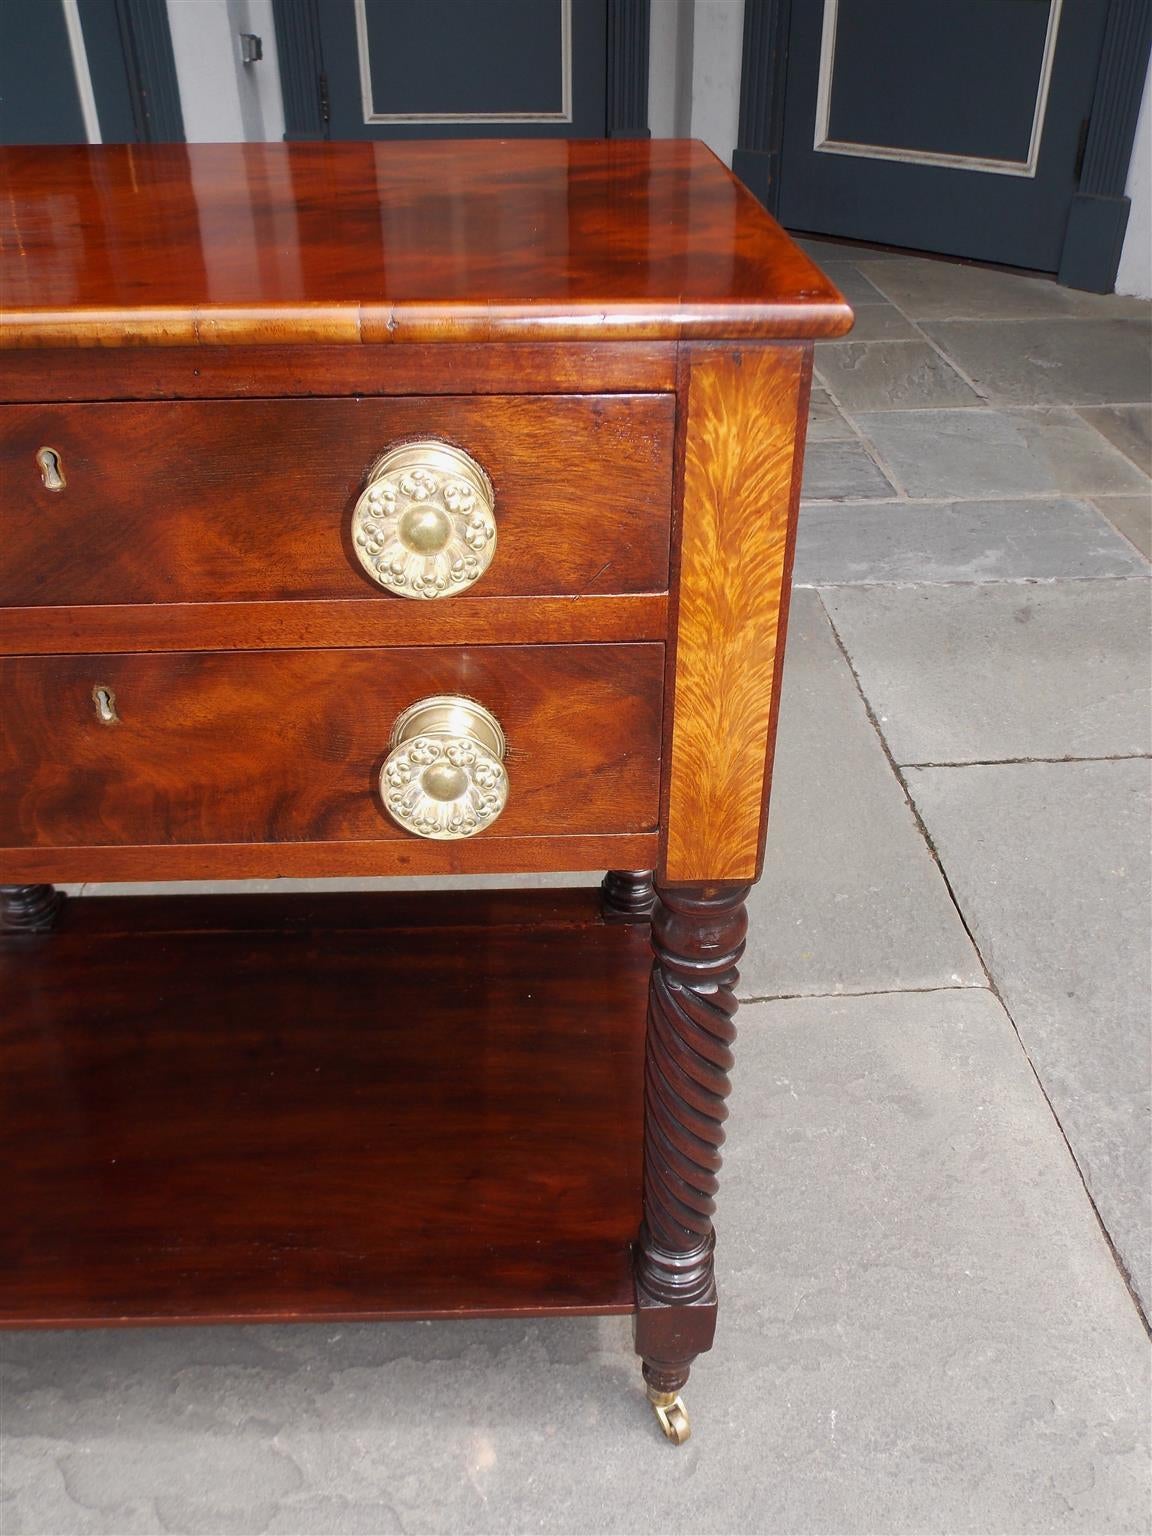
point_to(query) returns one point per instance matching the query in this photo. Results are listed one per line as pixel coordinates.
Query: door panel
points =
(949, 111)
(944, 125)
(39, 94)
(440, 68)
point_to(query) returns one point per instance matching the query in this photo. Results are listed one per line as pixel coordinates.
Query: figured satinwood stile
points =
(740, 489)
(742, 465)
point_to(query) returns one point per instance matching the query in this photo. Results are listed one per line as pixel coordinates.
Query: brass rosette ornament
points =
(424, 525)
(444, 777)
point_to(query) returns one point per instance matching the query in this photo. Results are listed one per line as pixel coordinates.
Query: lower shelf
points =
(257, 1108)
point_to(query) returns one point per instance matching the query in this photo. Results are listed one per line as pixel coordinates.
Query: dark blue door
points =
(945, 125)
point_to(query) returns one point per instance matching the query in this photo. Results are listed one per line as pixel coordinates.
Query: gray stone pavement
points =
(935, 1215)
(1046, 863)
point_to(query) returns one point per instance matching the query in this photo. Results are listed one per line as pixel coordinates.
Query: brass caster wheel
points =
(671, 1415)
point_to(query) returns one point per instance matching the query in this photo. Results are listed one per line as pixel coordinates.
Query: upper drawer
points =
(246, 500)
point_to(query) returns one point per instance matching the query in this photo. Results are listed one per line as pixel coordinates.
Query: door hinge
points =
(325, 103)
(1081, 146)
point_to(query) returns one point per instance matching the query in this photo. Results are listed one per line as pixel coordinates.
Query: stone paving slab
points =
(913, 1232)
(851, 899)
(825, 423)
(852, 283)
(838, 471)
(973, 674)
(1133, 516)
(947, 290)
(891, 375)
(874, 322)
(922, 1333)
(1034, 362)
(1050, 864)
(1127, 427)
(969, 454)
(931, 542)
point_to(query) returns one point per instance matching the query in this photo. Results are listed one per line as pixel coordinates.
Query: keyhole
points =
(50, 470)
(105, 702)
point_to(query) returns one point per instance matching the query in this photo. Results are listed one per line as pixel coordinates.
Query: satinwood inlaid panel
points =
(243, 500)
(287, 746)
(742, 463)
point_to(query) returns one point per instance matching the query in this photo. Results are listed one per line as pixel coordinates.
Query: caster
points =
(671, 1415)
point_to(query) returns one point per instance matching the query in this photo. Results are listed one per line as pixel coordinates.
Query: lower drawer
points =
(283, 747)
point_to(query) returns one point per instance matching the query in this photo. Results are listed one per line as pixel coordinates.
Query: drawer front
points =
(249, 500)
(287, 746)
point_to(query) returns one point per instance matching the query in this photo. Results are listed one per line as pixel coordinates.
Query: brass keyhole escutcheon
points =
(424, 525)
(444, 777)
(51, 470)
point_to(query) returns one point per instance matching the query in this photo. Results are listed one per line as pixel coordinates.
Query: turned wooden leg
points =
(627, 895)
(29, 908)
(698, 937)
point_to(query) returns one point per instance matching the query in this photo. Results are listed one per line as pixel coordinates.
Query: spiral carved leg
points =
(29, 908)
(698, 935)
(627, 895)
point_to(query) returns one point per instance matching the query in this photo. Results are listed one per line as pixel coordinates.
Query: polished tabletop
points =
(171, 244)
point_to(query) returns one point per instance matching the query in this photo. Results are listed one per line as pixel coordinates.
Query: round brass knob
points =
(424, 525)
(444, 776)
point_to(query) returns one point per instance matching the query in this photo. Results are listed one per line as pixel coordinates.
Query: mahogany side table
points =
(416, 510)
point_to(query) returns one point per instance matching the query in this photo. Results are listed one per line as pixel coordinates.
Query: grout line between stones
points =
(1087, 497)
(1000, 762)
(799, 997)
(992, 581)
(866, 443)
(1022, 319)
(1116, 528)
(1117, 1257)
(949, 362)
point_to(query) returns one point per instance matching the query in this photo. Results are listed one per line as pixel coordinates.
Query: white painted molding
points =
(1135, 273)
(83, 74)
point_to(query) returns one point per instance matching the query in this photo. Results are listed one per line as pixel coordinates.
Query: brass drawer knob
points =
(424, 525)
(444, 776)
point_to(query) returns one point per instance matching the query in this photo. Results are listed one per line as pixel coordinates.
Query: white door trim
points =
(80, 69)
